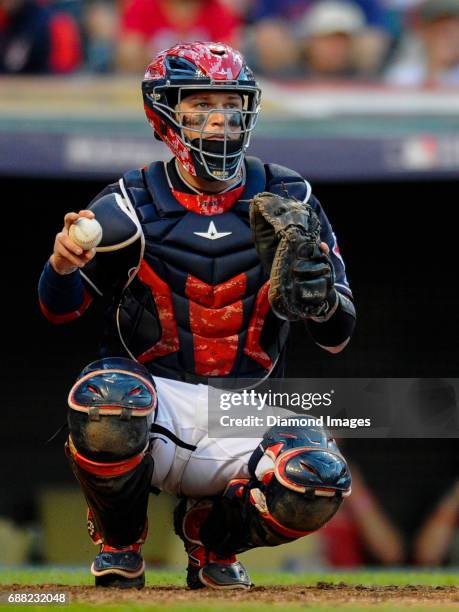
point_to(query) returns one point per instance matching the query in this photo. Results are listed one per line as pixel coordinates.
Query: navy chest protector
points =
(198, 307)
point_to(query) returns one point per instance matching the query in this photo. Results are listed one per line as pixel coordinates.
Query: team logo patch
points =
(212, 233)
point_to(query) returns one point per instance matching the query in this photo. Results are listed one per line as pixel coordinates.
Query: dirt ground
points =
(321, 594)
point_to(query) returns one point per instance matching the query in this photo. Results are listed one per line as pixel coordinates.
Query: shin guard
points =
(111, 410)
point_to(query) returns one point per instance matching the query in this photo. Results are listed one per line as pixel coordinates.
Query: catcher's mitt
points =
(286, 233)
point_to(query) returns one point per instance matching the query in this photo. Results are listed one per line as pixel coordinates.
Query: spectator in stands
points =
(424, 517)
(147, 26)
(429, 55)
(434, 544)
(37, 39)
(366, 534)
(100, 26)
(399, 14)
(274, 48)
(328, 34)
(361, 533)
(242, 8)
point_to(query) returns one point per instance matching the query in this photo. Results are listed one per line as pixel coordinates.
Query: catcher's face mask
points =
(213, 125)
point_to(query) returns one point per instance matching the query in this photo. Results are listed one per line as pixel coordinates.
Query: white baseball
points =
(86, 233)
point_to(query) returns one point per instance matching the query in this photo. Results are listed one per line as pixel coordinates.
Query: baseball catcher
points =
(204, 262)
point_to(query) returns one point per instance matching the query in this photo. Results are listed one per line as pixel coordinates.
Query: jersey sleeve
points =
(62, 298)
(335, 330)
(328, 236)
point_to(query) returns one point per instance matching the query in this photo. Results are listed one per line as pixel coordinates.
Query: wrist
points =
(61, 270)
(328, 309)
(59, 281)
(335, 329)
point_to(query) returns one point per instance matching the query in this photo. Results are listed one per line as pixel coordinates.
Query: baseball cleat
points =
(225, 575)
(122, 568)
(206, 568)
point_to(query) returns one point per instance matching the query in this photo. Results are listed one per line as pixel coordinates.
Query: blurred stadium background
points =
(383, 158)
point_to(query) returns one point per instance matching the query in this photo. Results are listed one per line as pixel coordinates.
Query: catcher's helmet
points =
(195, 67)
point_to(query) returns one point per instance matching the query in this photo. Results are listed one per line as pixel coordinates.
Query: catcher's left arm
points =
(294, 247)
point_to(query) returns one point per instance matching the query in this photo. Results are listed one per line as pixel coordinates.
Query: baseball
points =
(86, 233)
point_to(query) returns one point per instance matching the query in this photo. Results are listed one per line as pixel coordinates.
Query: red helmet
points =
(195, 67)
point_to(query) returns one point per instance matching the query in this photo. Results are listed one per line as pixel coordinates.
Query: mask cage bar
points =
(249, 117)
(227, 158)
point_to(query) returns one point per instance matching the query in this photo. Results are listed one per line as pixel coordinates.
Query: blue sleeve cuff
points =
(60, 280)
(60, 294)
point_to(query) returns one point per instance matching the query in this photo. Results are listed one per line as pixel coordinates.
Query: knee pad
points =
(305, 478)
(303, 459)
(111, 410)
(299, 480)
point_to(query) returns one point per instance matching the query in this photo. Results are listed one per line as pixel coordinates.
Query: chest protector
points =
(198, 307)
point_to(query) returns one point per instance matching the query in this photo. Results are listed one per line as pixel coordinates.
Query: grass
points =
(78, 576)
(60, 577)
(206, 607)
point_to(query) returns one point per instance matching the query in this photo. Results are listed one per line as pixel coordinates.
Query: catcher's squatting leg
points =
(110, 417)
(299, 479)
(111, 411)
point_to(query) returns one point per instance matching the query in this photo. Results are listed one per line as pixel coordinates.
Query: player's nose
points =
(217, 118)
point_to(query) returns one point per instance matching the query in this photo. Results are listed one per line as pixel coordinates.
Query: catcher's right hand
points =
(286, 233)
(68, 256)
